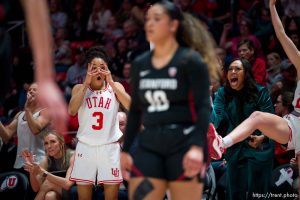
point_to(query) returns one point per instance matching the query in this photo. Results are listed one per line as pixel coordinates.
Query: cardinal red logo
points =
(115, 172)
(172, 71)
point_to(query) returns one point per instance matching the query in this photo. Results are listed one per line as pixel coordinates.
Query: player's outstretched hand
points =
(126, 164)
(51, 98)
(193, 161)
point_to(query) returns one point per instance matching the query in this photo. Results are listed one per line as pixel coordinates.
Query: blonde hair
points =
(63, 150)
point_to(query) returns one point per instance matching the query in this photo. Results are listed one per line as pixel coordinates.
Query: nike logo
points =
(188, 130)
(144, 73)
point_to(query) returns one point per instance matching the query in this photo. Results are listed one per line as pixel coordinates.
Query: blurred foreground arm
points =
(39, 31)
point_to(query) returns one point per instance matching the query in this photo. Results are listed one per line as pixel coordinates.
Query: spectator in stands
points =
(263, 27)
(240, 16)
(138, 11)
(231, 43)
(124, 11)
(290, 24)
(185, 5)
(98, 19)
(126, 77)
(273, 69)
(222, 58)
(112, 32)
(57, 162)
(130, 29)
(246, 50)
(76, 73)
(114, 66)
(135, 37)
(62, 50)
(291, 8)
(78, 21)
(221, 53)
(122, 55)
(248, 162)
(22, 73)
(288, 81)
(30, 126)
(58, 18)
(245, 4)
(122, 125)
(294, 35)
(284, 104)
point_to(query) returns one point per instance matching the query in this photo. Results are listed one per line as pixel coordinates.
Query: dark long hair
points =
(97, 52)
(192, 33)
(248, 94)
(287, 100)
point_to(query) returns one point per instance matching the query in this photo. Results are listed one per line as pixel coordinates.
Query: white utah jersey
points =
(98, 119)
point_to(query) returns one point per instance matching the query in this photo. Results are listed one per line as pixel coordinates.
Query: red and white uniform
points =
(98, 119)
(98, 152)
(293, 120)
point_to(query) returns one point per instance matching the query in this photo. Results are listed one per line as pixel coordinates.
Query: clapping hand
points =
(29, 164)
(256, 140)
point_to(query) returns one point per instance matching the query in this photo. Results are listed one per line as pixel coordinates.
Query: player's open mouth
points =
(99, 78)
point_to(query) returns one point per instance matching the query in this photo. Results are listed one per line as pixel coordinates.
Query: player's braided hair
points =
(96, 52)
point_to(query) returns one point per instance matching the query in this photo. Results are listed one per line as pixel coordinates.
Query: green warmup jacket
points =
(249, 170)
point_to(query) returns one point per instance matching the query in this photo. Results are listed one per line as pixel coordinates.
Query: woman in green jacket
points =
(249, 161)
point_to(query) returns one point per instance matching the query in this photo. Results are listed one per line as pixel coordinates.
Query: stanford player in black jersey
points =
(170, 96)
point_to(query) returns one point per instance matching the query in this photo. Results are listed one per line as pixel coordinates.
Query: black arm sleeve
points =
(198, 77)
(135, 113)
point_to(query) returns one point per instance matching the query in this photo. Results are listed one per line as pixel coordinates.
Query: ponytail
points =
(193, 33)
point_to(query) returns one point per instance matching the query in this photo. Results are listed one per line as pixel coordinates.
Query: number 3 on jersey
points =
(99, 120)
(158, 101)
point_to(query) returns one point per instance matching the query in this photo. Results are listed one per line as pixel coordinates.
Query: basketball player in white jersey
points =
(284, 130)
(30, 126)
(97, 157)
